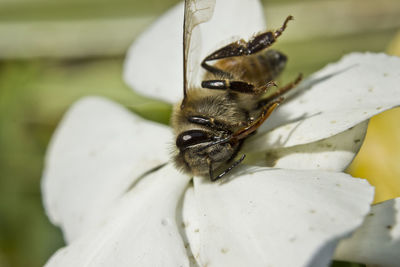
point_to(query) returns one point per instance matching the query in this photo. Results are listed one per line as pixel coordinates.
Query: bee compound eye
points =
(192, 137)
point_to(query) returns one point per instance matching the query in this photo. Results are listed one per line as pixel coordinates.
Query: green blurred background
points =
(54, 52)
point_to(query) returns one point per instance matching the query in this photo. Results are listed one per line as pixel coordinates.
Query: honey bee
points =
(212, 122)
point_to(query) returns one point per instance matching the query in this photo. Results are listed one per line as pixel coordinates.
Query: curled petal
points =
(97, 152)
(331, 154)
(154, 65)
(337, 98)
(140, 230)
(377, 241)
(274, 217)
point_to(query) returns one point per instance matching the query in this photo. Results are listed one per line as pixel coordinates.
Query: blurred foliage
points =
(345, 264)
(37, 10)
(33, 97)
(35, 92)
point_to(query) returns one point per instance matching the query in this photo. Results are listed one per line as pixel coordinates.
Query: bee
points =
(212, 122)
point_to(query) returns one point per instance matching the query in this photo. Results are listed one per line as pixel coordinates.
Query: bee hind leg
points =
(243, 48)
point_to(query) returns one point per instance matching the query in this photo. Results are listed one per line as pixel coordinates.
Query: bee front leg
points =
(211, 173)
(210, 170)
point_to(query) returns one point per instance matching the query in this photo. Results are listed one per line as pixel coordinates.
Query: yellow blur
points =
(379, 157)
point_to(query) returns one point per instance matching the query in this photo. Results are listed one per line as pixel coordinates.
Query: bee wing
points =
(153, 66)
(196, 12)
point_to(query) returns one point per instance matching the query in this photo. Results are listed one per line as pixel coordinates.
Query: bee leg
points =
(253, 126)
(211, 173)
(209, 122)
(243, 48)
(236, 150)
(280, 91)
(236, 86)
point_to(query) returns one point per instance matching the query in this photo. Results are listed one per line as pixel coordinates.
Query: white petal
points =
(97, 152)
(377, 241)
(275, 217)
(331, 154)
(141, 229)
(154, 66)
(193, 225)
(338, 97)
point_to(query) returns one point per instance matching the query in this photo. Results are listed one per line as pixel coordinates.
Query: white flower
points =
(114, 212)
